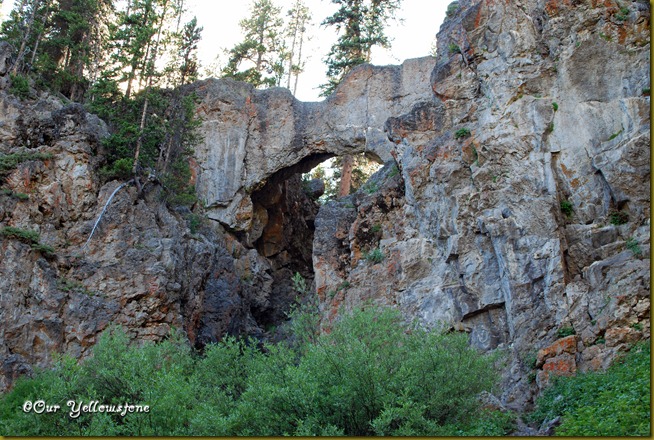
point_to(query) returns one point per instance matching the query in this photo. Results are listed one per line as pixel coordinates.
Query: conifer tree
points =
(361, 26)
(299, 19)
(259, 58)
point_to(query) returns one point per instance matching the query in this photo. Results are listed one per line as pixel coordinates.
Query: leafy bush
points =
(20, 86)
(461, 133)
(611, 403)
(367, 376)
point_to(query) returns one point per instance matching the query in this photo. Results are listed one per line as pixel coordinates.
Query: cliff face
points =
(523, 208)
(514, 204)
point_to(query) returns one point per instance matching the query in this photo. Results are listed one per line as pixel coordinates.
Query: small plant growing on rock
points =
(375, 228)
(622, 15)
(555, 106)
(618, 218)
(462, 133)
(645, 91)
(20, 86)
(634, 247)
(299, 283)
(453, 48)
(374, 256)
(564, 332)
(566, 208)
(451, 9)
(30, 237)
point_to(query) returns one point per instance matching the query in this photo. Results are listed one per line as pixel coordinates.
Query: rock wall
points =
(514, 204)
(522, 211)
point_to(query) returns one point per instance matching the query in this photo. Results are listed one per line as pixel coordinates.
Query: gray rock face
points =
(514, 203)
(536, 107)
(250, 135)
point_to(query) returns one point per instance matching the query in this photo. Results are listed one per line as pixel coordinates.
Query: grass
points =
(462, 133)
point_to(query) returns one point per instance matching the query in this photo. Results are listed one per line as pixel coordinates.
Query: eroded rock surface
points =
(523, 203)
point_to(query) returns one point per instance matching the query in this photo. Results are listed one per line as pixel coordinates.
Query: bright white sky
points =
(411, 39)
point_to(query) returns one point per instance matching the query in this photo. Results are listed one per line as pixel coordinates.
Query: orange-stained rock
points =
(563, 345)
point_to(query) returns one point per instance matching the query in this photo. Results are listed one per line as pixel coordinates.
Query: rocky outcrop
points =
(251, 136)
(523, 204)
(514, 203)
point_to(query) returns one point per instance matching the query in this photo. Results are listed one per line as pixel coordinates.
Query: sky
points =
(412, 38)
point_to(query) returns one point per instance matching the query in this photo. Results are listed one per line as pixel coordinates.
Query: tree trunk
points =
(346, 176)
(26, 36)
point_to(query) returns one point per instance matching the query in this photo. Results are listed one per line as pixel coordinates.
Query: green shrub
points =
(566, 207)
(454, 48)
(611, 403)
(375, 228)
(394, 171)
(367, 376)
(299, 284)
(645, 91)
(634, 247)
(121, 169)
(20, 86)
(555, 106)
(565, 331)
(618, 218)
(9, 162)
(452, 8)
(461, 133)
(374, 256)
(23, 235)
(622, 14)
(46, 250)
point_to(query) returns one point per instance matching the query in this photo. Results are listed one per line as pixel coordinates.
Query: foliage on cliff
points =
(368, 376)
(611, 403)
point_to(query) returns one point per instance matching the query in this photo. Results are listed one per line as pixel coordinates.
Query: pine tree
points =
(361, 26)
(299, 19)
(259, 58)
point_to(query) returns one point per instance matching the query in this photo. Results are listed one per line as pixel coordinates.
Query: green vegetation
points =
(30, 237)
(9, 162)
(371, 187)
(566, 207)
(451, 9)
(66, 285)
(611, 403)
(550, 128)
(634, 247)
(565, 331)
(394, 171)
(374, 256)
(618, 218)
(20, 86)
(616, 134)
(375, 228)
(645, 91)
(461, 133)
(299, 284)
(10, 193)
(367, 376)
(555, 106)
(622, 14)
(453, 48)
